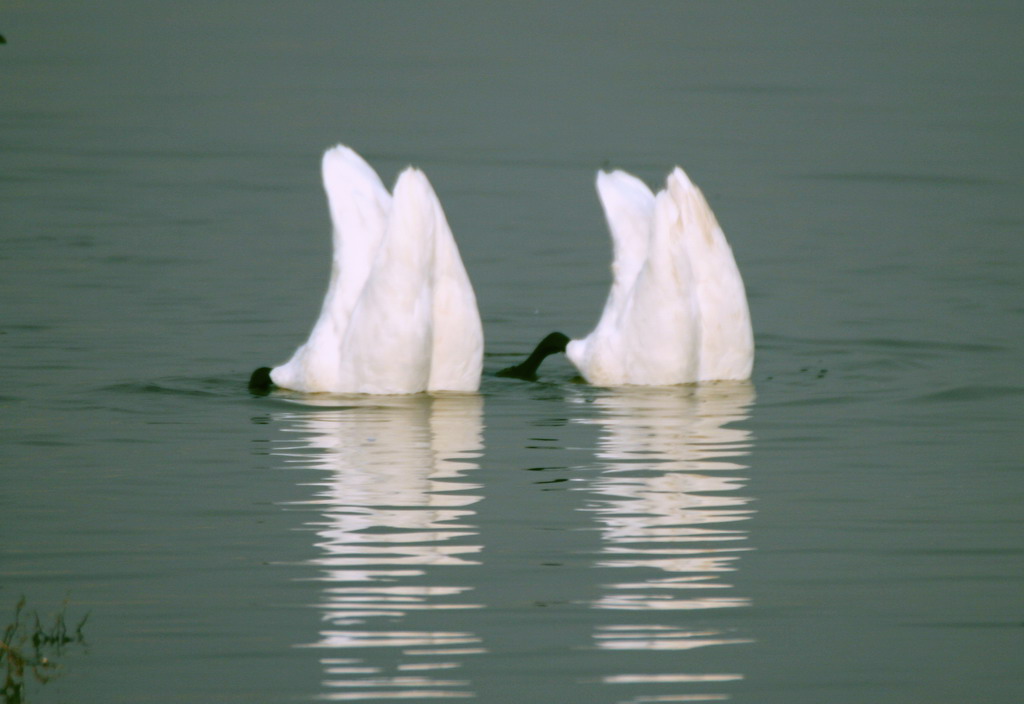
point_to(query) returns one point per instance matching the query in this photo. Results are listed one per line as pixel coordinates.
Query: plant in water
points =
(29, 646)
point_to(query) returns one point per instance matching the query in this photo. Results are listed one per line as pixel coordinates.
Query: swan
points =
(677, 310)
(400, 315)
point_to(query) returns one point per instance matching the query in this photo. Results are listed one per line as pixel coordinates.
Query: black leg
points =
(555, 342)
(259, 382)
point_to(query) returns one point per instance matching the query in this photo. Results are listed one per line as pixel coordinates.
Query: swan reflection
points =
(394, 509)
(667, 505)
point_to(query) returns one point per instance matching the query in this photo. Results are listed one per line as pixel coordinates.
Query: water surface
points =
(844, 528)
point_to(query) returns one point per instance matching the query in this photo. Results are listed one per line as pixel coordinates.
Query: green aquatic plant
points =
(29, 647)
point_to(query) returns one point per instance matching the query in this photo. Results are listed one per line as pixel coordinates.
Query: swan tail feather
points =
(386, 348)
(726, 335)
(458, 340)
(629, 211)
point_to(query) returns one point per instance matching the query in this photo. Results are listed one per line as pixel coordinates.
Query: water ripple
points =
(665, 500)
(392, 515)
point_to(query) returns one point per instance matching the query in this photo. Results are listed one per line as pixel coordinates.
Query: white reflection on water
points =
(667, 507)
(393, 508)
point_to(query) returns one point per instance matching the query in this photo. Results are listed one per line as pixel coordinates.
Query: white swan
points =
(400, 315)
(677, 310)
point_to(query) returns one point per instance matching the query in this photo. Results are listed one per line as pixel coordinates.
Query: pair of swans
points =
(400, 315)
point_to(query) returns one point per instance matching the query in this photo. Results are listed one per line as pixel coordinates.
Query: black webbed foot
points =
(527, 370)
(260, 382)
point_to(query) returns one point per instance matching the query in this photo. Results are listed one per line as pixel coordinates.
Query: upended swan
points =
(400, 315)
(677, 310)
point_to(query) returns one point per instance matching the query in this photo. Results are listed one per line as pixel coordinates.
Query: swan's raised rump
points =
(677, 310)
(398, 292)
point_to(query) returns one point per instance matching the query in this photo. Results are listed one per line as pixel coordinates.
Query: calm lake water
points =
(847, 528)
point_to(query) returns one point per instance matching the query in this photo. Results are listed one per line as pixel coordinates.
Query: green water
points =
(845, 528)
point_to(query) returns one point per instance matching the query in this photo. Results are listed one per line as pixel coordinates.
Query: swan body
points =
(400, 315)
(677, 309)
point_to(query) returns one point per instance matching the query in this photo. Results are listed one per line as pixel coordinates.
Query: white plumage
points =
(400, 315)
(677, 310)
